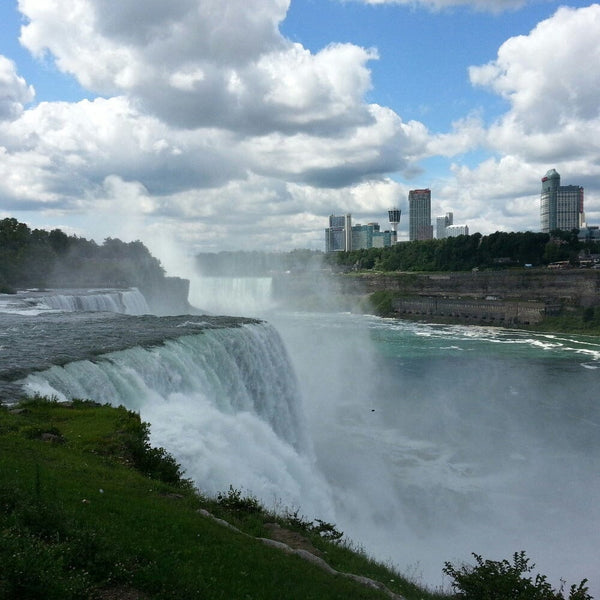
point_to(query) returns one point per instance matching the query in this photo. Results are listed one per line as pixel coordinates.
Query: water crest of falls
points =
(129, 302)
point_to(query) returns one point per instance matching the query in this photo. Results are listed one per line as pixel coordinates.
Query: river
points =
(422, 442)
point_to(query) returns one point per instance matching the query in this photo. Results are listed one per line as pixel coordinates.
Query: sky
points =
(217, 125)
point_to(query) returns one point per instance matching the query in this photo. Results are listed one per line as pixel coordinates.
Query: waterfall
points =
(130, 302)
(225, 402)
(241, 296)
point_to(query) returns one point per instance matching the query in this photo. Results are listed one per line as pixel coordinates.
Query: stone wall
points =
(168, 296)
(573, 287)
(508, 297)
(494, 312)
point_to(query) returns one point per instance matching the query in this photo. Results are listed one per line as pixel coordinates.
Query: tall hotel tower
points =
(338, 236)
(561, 206)
(419, 215)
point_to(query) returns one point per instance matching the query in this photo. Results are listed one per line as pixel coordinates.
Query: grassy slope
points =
(79, 520)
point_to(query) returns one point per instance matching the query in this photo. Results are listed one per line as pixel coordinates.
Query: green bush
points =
(233, 500)
(382, 302)
(155, 463)
(323, 529)
(502, 580)
(327, 530)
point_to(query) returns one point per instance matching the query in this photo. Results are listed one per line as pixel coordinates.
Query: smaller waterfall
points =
(129, 302)
(240, 296)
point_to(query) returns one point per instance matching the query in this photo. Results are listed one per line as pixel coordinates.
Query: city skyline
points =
(242, 125)
(561, 207)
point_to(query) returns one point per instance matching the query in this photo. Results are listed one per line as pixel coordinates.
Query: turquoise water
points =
(439, 441)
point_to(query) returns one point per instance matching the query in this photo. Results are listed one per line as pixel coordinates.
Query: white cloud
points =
(14, 91)
(219, 128)
(367, 151)
(497, 195)
(541, 74)
(554, 112)
(213, 121)
(467, 134)
(199, 63)
(553, 120)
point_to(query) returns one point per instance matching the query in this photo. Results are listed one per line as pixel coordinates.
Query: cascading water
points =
(34, 302)
(224, 402)
(438, 441)
(129, 302)
(233, 295)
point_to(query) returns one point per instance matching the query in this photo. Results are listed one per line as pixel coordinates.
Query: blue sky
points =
(242, 124)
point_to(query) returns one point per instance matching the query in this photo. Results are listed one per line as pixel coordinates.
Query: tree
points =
(38, 258)
(59, 241)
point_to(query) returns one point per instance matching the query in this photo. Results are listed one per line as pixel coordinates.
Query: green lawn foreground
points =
(89, 510)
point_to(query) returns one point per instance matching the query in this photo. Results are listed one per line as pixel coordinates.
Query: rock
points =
(291, 538)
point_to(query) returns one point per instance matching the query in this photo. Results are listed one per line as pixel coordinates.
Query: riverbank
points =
(90, 510)
(516, 315)
(566, 300)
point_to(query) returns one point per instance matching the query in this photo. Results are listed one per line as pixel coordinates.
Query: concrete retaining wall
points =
(494, 312)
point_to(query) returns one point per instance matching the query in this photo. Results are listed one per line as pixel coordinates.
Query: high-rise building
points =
(342, 236)
(441, 223)
(383, 239)
(456, 230)
(561, 206)
(370, 236)
(419, 215)
(445, 227)
(338, 236)
(362, 235)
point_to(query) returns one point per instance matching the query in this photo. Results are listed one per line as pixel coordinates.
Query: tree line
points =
(40, 258)
(466, 252)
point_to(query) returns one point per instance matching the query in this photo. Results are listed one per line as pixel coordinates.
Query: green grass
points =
(584, 321)
(93, 511)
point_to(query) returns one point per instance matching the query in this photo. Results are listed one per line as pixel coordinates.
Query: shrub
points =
(327, 530)
(382, 302)
(233, 499)
(502, 580)
(155, 463)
